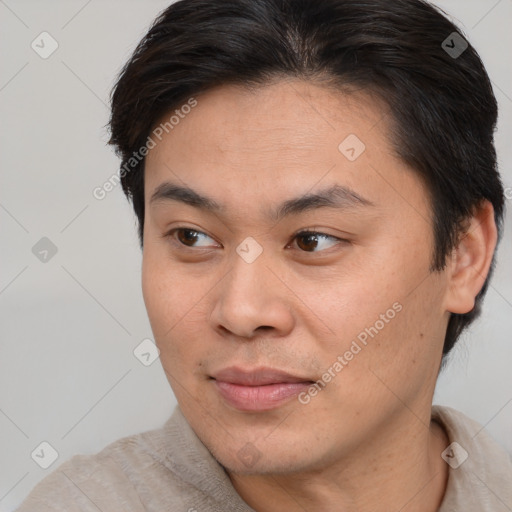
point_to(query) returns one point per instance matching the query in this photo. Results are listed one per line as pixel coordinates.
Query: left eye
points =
(311, 240)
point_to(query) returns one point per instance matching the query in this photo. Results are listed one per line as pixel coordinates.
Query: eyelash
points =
(302, 233)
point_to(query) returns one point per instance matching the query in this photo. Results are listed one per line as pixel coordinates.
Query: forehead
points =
(293, 112)
(278, 140)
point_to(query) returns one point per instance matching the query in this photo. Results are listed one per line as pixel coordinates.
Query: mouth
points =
(258, 390)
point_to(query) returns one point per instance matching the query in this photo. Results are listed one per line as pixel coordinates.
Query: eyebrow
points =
(335, 196)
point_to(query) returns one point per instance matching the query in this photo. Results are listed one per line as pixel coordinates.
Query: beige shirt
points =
(169, 469)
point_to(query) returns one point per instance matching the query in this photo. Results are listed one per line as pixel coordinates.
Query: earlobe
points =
(471, 260)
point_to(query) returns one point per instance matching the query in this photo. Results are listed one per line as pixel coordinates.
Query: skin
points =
(366, 441)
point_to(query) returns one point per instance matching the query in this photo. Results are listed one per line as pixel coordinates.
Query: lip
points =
(259, 389)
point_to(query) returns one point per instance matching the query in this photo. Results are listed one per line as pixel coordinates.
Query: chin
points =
(249, 460)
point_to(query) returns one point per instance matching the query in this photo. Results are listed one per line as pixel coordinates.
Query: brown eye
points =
(309, 241)
(187, 236)
(190, 238)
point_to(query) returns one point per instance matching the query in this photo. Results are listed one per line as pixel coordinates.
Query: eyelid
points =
(313, 230)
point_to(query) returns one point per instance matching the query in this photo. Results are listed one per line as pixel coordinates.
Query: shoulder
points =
(85, 482)
(480, 471)
(134, 473)
(162, 469)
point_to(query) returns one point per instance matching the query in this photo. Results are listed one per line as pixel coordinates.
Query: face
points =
(288, 285)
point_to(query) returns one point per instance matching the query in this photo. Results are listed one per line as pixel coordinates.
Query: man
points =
(319, 207)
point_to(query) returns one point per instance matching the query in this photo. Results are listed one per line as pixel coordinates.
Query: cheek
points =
(163, 293)
(404, 356)
(353, 301)
(155, 289)
(175, 303)
(384, 315)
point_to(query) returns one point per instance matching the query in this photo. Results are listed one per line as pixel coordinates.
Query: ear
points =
(471, 260)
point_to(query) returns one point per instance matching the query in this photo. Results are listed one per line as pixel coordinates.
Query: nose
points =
(252, 298)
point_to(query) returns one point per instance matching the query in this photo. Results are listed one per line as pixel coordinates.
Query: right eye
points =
(187, 237)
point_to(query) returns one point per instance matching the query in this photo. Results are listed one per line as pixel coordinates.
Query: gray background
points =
(68, 375)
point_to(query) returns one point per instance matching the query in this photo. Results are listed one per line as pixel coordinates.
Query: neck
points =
(399, 469)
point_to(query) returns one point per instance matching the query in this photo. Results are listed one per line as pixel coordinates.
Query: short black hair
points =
(407, 52)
